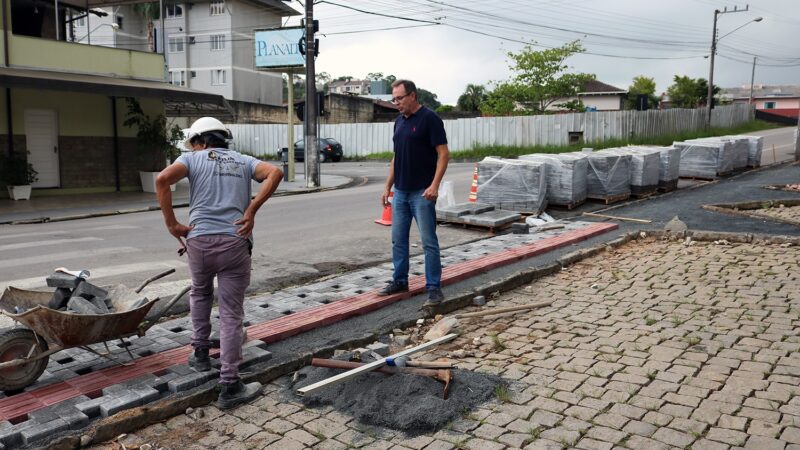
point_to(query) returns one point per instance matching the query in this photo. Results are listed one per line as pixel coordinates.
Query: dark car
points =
(329, 150)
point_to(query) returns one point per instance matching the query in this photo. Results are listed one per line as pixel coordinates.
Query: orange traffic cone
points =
(473, 191)
(386, 217)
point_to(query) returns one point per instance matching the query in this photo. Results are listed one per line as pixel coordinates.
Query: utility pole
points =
(710, 96)
(310, 124)
(752, 80)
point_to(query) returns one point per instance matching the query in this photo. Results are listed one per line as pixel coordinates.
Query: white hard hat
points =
(204, 125)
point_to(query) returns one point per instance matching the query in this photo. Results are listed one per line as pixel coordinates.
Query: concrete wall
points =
(780, 103)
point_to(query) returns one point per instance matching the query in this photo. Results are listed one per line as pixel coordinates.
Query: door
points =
(41, 135)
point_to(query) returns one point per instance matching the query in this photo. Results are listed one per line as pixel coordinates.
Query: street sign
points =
(279, 48)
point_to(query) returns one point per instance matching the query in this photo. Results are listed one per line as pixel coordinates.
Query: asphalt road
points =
(296, 238)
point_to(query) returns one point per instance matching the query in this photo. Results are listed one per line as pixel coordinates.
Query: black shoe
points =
(199, 360)
(435, 297)
(393, 287)
(235, 394)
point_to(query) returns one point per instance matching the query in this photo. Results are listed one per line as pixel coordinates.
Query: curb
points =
(351, 183)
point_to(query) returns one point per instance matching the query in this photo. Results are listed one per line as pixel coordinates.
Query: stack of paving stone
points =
(702, 159)
(739, 148)
(478, 214)
(609, 175)
(644, 168)
(722, 156)
(513, 185)
(76, 295)
(566, 177)
(755, 146)
(668, 168)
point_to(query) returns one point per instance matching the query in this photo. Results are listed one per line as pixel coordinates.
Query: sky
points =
(443, 45)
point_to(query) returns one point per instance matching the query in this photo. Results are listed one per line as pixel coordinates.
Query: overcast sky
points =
(655, 38)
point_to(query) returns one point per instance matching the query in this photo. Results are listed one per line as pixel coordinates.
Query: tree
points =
(687, 92)
(445, 109)
(471, 99)
(540, 79)
(299, 88)
(642, 85)
(150, 12)
(427, 98)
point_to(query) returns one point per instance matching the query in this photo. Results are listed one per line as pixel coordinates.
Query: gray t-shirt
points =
(219, 189)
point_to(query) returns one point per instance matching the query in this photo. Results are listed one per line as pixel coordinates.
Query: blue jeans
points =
(405, 206)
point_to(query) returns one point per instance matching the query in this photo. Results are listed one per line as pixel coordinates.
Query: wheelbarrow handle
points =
(154, 278)
(146, 325)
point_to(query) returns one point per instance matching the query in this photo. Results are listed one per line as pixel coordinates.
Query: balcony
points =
(41, 53)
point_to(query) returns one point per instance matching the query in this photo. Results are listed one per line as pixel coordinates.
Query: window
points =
(119, 20)
(769, 105)
(80, 22)
(177, 77)
(174, 11)
(217, 42)
(193, 74)
(176, 44)
(218, 76)
(217, 7)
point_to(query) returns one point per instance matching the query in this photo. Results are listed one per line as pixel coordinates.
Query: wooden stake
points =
(492, 312)
(371, 366)
(629, 219)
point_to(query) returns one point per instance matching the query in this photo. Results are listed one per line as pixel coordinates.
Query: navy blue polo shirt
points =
(415, 140)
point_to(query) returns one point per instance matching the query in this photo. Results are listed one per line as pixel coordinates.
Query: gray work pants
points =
(227, 258)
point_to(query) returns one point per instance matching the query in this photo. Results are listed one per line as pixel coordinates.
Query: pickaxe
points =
(443, 375)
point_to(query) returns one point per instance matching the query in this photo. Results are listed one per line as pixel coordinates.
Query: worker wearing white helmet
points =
(218, 242)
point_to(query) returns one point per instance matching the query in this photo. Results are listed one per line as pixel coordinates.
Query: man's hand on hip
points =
(247, 222)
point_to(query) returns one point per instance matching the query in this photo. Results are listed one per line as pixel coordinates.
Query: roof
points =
(103, 85)
(598, 87)
(276, 7)
(763, 91)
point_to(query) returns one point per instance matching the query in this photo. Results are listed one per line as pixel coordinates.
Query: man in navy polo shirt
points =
(419, 163)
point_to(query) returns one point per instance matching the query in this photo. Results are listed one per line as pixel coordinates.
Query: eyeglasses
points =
(399, 98)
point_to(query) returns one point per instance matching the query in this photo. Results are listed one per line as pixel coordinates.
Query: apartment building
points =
(209, 43)
(64, 104)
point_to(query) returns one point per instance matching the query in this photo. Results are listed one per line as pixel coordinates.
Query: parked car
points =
(329, 150)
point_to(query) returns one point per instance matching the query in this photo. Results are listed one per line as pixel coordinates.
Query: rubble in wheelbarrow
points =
(75, 295)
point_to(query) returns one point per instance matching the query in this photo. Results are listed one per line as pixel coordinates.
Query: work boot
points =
(237, 393)
(199, 360)
(435, 297)
(393, 287)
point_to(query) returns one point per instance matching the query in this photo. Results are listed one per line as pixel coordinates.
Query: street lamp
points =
(714, 40)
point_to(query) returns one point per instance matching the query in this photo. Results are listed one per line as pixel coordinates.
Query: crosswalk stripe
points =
(24, 235)
(100, 273)
(56, 258)
(46, 243)
(39, 234)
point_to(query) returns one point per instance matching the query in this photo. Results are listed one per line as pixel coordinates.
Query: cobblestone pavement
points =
(655, 345)
(786, 213)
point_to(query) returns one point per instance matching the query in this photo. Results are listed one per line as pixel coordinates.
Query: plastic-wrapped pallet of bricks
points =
(739, 149)
(513, 185)
(698, 159)
(725, 153)
(644, 169)
(755, 146)
(609, 174)
(566, 176)
(669, 166)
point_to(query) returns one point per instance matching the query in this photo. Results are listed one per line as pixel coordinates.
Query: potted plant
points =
(155, 137)
(18, 174)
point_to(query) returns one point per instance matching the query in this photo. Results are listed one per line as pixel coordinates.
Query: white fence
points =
(360, 139)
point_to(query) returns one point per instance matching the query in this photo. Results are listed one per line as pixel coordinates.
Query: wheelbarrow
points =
(25, 350)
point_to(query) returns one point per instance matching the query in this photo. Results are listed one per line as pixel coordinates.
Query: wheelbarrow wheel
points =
(16, 344)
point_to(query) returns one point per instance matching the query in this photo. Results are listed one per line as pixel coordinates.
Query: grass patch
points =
(649, 320)
(498, 343)
(481, 151)
(501, 392)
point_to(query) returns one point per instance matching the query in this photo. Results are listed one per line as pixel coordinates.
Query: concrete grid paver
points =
(657, 344)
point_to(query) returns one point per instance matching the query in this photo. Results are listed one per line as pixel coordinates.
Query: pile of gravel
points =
(404, 402)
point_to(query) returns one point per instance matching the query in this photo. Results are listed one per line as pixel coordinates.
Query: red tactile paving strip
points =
(16, 408)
